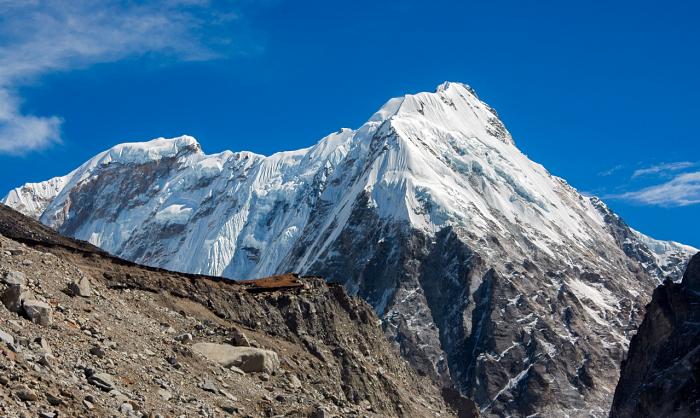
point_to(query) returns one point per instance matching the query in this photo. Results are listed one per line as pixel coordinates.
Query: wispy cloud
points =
(611, 171)
(682, 190)
(663, 169)
(40, 37)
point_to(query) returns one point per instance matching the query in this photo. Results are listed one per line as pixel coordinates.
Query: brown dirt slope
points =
(128, 345)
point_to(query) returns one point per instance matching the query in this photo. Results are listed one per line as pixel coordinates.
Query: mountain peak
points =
(452, 107)
(446, 85)
(153, 150)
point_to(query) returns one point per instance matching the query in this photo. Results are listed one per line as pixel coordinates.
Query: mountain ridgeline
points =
(83, 333)
(490, 274)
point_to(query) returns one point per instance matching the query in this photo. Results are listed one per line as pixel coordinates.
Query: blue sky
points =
(604, 95)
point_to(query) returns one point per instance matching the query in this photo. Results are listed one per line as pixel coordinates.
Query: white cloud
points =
(665, 168)
(39, 37)
(682, 190)
(611, 171)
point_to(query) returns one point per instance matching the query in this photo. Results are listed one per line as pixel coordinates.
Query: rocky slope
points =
(661, 375)
(490, 274)
(93, 335)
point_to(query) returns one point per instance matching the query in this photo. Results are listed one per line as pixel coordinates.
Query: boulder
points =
(102, 380)
(6, 338)
(165, 395)
(294, 382)
(238, 338)
(97, 351)
(12, 298)
(209, 386)
(248, 359)
(15, 278)
(37, 311)
(25, 394)
(126, 408)
(42, 344)
(319, 412)
(80, 288)
(185, 338)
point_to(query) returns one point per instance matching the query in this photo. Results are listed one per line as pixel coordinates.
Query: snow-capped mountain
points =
(490, 273)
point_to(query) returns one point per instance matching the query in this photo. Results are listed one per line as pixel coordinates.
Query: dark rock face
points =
(518, 339)
(635, 248)
(661, 375)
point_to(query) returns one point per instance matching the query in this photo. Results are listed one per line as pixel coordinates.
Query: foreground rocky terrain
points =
(661, 375)
(86, 334)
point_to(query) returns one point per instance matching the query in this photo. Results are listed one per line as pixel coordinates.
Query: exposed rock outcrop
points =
(661, 375)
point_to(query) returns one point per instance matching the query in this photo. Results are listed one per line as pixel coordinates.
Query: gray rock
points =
(229, 408)
(6, 338)
(184, 338)
(294, 382)
(46, 359)
(38, 312)
(319, 412)
(43, 344)
(126, 408)
(97, 351)
(173, 362)
(53, 399)
(238, 338)
(228, 395)
(248, 359)
(236, 370)
(165, 395)
(102, 380)
(80, 288)
(118, 396)
(26, 394)
(209, 386)
(13, 277)
(12, 298)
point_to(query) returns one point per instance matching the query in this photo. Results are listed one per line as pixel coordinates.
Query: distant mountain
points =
(661, 374)
(489, 272)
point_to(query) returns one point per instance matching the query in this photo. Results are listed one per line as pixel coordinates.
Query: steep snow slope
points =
(490, 273)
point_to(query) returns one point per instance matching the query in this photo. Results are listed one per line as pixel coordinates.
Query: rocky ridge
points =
(126, 340)
(661, 375)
